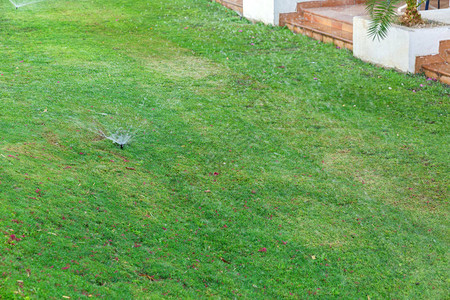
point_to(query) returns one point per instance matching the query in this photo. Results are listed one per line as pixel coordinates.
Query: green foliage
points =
(382, 13)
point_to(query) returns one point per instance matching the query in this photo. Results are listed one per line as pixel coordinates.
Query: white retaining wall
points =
(401, 46)
(268, 11)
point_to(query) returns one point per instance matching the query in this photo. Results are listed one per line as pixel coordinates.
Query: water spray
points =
(121, 137)
(17, 5)
(112, 129)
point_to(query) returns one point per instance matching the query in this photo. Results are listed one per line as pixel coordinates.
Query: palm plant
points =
(382, 13)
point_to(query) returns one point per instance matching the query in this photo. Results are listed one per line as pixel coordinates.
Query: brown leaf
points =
(151, 278)
(224, 260)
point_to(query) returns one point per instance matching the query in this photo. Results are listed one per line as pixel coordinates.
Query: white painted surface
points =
(268, 11)
(259, 11)
(439, 15)
(401, 46)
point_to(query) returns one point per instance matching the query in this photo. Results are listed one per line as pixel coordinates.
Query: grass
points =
(264, 164)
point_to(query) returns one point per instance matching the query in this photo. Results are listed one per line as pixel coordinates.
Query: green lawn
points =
(263, 165)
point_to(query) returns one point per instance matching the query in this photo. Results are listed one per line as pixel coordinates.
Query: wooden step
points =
(442, 57)
(335, 17)
(444, 50)
(290, 18)
(444, 45)
(327, 3)
(436, 66)
(438, 71)
(323, 33)
(343, 13)
(328, 31)
(236, 5)
(329, 21)
(427, 60)
(446, 55)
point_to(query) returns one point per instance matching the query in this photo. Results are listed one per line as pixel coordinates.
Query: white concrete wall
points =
(268, 11)
(401, 46)
(259, 11)
(440, 15)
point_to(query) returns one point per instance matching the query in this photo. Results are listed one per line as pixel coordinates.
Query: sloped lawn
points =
(263, 164)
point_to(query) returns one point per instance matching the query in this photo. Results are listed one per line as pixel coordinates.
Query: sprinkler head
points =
(121, 146)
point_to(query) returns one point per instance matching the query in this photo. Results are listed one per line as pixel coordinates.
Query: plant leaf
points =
(382, 13)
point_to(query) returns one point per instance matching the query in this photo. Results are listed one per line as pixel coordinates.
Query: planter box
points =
(401, 46)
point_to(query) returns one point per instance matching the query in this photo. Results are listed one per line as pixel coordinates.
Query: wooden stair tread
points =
(441, 68)
(236, 5)
(327, 18)
(443, 57)
(343, 13)
(325, 30)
